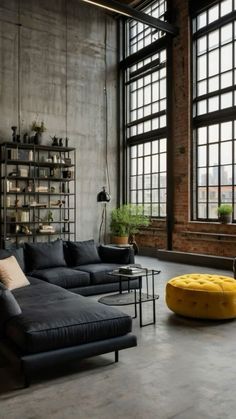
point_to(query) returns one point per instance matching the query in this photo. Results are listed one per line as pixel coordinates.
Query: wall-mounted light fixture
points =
(125, 10)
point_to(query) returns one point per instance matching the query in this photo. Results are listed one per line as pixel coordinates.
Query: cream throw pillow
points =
(11, 274)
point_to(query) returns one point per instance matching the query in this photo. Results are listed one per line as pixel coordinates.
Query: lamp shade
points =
(103, 196)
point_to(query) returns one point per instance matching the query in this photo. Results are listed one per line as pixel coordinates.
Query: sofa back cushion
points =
(18, 252)
(9, 307)
(11, 274)
(84, 253)
(44, 255)
(109, 254)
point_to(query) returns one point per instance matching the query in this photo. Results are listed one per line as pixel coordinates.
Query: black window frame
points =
(127, 61)
(209, 119)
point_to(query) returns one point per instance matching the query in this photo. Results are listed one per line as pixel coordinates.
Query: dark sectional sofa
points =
(47, 322)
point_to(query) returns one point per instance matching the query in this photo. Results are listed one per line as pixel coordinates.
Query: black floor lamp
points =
(103, 197)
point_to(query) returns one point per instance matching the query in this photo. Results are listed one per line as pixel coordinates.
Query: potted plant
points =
(39, 129)
(127, 221)
(225, 213)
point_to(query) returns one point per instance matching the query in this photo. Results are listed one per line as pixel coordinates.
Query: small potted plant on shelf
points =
(126, 221)
(225, 213)
(39, 129)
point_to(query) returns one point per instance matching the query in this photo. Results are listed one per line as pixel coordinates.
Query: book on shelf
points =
(130, 270)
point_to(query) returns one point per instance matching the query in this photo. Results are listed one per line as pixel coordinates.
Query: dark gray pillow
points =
(44, 255)
(18, 252)
(9, 307)
(84, 253)
(109, 254)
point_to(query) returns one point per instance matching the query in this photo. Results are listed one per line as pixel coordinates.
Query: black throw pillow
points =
(84, 253)
(9, 307)
(44, 255)
(111, 254)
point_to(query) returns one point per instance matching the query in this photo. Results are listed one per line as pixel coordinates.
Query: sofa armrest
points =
(113, 254)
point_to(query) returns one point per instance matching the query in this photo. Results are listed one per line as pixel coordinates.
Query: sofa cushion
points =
(9, 307)
(83, 253)
(11, 274)
(18, 252)
(44, 255)
(111, 254)
(54, 318)
(63, 277)
(99, 273)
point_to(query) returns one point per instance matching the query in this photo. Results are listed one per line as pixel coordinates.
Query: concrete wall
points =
(52, 67)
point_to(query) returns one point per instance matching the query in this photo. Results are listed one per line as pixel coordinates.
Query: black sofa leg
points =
(116, 356)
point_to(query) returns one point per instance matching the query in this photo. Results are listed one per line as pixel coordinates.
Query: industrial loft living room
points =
(138, 98)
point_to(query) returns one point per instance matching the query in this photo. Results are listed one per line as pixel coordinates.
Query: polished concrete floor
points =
(181, 369)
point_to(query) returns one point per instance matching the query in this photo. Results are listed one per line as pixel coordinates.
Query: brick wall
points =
(215, 243)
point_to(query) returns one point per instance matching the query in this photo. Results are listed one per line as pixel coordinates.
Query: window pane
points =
(201, 44)
(226, 152)
(213, 104)
(226, 79)
(226, 100)
(201, 88)
(202, 194)
(202, 211)
(202, 135)
(213, 176)
(201, 20)
(201, 156)
(213, 84)
(213, 154)
(225, 7)
(213, 13)
(213, 194)
(202, 176)
(213, 133)
(226, 33)
(226, 57)
(212, 211)
(226, 131)
(226, 175)
(201, 67)
(213, 63)
(213, 39)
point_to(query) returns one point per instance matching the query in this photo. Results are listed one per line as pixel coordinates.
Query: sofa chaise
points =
(44, 325)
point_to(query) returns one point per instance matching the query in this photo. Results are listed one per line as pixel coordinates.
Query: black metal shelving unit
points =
(37, 193)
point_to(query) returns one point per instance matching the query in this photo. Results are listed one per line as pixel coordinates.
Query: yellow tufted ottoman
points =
(202, 296)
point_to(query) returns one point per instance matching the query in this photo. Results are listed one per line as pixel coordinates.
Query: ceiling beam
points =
(123, 9)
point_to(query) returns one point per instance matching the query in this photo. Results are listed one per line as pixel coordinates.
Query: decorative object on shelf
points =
(14, 136)
(54, 141)
(61, 142)
(225, 213)
(39, 129)
(26, 138)
(66, 142)
(126, 221)
(50, 217)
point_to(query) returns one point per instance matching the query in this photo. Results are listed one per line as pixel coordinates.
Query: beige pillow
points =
(11, 274)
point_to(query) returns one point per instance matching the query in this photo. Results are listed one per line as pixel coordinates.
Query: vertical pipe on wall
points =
(170, 160)
(19, 67)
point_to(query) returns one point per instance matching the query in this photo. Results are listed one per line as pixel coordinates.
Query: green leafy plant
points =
(224, 213)
(127, 220)
(39, 128)
(225, 209)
